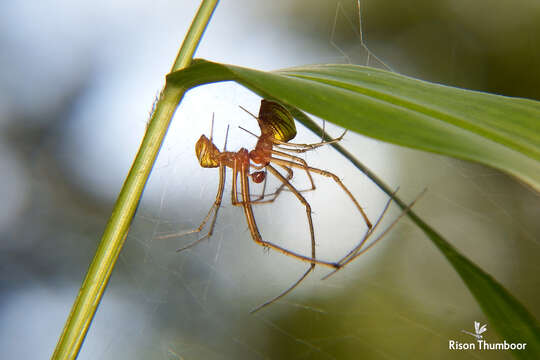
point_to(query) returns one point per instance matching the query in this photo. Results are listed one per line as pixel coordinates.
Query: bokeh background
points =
(77, 83)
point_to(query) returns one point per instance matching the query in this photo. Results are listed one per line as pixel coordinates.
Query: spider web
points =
(399, 300)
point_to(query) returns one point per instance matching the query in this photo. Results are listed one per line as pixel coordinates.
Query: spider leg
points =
(298, 159)
(275, 194)
(282, 187)
(261, 196)
(312, 265)
(403, 213)
(214, 209)
(263, 189)
(247, 209)
(307, 147)
(260, 199)
(291, 288)
(250, 218)
(330, 175)
(234, 186)
(358, 250)
(367, 235)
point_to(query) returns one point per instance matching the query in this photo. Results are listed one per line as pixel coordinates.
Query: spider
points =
(277, 128)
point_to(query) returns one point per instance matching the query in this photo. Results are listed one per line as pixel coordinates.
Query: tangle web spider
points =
(277, 128)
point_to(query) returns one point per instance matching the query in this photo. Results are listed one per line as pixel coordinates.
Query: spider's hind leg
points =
(291, 288)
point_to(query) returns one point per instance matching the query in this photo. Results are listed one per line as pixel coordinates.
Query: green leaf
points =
(497, 131)
(493, 130)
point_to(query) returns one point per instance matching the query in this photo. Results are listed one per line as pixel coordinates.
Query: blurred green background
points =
(77, 82)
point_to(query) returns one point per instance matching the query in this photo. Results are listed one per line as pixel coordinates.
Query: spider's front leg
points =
(213, 210)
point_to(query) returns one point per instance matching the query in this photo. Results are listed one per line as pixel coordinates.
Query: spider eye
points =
(207, 153)
(276, 120)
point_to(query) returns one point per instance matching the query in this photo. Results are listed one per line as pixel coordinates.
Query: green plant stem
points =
(100, 269)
